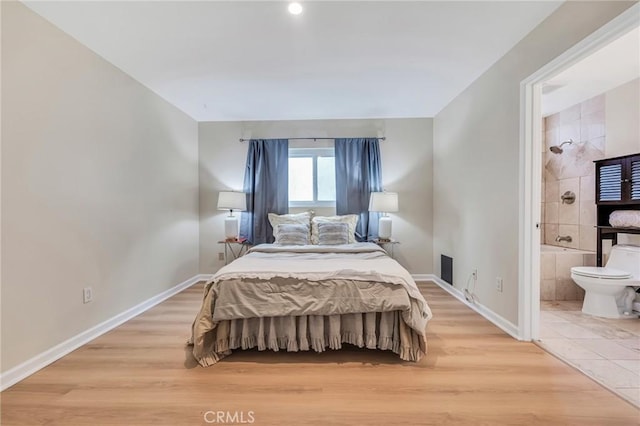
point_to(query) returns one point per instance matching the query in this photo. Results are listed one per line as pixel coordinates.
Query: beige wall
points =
(605, 126)
(99, 188)
(476, 158)
(623, 130)
(572, 170)
(1, 174)
(406, 168)
(623, 125)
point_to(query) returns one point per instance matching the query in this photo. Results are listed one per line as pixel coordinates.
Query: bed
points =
(311, 297)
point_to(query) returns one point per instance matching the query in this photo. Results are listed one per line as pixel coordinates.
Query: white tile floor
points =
(606, 350)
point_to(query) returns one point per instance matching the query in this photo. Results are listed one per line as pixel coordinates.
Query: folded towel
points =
(625, 219)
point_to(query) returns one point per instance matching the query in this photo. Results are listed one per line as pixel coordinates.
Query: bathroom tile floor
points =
(607, 350)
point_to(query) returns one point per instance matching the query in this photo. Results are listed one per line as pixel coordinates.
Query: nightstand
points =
(233, 249)
(387, 245)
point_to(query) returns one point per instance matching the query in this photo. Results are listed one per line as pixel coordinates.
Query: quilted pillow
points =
(349, 219)
(333, 233)
(295, 219)
(292, 234)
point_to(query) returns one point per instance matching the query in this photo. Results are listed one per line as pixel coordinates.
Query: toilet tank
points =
(625, 257)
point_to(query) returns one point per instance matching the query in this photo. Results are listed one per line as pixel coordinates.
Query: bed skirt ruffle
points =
(373, 330)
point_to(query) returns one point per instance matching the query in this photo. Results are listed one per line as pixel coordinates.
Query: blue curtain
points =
(358, 173)
(266, 183)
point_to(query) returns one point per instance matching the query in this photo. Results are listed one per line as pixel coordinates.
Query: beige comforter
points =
(275, 282)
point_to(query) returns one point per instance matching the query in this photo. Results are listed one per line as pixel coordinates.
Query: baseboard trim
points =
(422, 277)
(38, 362)
(499, 321)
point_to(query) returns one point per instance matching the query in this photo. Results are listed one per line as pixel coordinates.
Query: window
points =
(312, 177)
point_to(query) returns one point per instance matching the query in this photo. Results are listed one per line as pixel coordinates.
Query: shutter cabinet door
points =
(634, 178)
(609, 182)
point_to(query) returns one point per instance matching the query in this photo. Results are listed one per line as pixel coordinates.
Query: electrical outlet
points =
(221, 256)
(87, 295)
(499, 284)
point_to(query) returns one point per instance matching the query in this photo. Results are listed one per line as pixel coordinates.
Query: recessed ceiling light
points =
(295, 8)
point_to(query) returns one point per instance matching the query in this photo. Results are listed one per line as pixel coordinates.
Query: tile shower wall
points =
(555, 273)
(574, 171)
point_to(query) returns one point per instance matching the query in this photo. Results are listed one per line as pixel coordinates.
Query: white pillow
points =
(296, 219)
(350, 219)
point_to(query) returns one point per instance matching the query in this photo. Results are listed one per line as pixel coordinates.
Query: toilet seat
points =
(600, 272)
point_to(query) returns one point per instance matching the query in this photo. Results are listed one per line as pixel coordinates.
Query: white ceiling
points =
(239, 60)
(613, 65)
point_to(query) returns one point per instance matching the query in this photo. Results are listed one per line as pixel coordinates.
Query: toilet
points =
(608, 290)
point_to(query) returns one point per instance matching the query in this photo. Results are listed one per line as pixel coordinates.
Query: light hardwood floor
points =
(142, 374)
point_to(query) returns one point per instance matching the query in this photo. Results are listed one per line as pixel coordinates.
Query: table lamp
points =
(231, 201)
(384, 202)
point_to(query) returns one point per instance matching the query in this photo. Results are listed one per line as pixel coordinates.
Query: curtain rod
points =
(319, 138)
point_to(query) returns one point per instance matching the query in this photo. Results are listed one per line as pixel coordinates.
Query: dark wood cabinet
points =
(617, 188)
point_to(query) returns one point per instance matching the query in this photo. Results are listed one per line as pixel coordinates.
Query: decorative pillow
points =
(280, 219)
(349, 219)
(290, 234)
(332, 233)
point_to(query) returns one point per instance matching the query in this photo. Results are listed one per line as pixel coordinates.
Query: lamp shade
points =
(385, 202)
(228, 200)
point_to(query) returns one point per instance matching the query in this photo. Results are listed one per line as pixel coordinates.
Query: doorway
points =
(531, 163)
(533, 225)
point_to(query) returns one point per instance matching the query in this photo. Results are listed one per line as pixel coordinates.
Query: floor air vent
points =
(446, 268)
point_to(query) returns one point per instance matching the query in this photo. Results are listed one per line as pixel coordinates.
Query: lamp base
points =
(231, 227)
(384, 228)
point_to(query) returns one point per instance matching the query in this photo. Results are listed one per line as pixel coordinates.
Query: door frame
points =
(530, 179)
